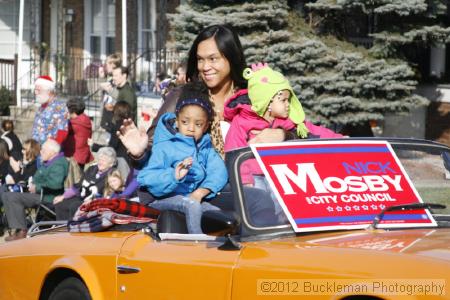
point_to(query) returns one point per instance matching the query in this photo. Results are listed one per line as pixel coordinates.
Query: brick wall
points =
(75, 29)
(45, 19)
(132, 26)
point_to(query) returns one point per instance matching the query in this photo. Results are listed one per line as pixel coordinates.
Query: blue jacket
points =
(169, 149)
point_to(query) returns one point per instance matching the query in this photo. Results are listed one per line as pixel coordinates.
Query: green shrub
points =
(6, 98)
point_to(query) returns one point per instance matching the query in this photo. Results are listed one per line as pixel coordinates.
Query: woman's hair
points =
(52, 145)
(108, 152)
(229, 46)
(115, 59)
(32, 149)
(121, 111)
(76, 106)
(8, 125)
(108, 190)
(4, 150)
(182, 65)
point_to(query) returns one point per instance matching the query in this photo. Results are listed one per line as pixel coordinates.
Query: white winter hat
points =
(46, 82)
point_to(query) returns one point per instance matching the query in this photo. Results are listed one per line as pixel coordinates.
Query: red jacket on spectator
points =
(76, 144)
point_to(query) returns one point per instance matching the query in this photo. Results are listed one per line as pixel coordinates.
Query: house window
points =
(9, 28)
(147, 25)
(101, 23)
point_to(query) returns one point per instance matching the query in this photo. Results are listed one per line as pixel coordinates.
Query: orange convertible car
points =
(244, 257)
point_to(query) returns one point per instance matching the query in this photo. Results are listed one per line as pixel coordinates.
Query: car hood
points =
(101, 243)
(285, 264)
(433, 243)
(358, 254)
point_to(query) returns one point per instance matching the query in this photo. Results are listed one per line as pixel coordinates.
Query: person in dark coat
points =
(126, 92)
(14, 144)
(121, 112)
(80, 130)
(24, 169)
(5, 167)
(109, 90)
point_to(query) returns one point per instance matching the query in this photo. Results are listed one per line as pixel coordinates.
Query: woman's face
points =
(213, 67)
(109, 66)
(104, 163)
(26, 151)
(114, 182)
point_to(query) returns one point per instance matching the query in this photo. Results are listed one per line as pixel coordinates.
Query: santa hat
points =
(45, 82)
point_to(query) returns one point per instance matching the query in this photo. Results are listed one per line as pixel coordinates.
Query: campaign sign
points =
(328, 185)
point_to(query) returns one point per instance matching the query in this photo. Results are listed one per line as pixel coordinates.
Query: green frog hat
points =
(263, 84)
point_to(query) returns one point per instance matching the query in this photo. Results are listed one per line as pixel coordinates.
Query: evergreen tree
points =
(337, 83)
(394, 25)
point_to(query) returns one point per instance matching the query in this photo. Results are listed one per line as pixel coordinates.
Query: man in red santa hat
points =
(51, 119)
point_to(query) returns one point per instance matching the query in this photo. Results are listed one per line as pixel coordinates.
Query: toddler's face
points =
(114, 182)
(192, 120)
(280, 104)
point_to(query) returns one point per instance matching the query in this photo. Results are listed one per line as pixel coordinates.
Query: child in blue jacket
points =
(184, 169)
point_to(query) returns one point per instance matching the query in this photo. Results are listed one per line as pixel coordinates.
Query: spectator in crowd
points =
(114, 185)
(121, 112)
(110, 92)
(91, 185)
(126, 92)
(49, 179)
(5, 167)
(14, 144)
(160, 77)
(51, 120)
(184, 170)
(24, 169)
(19, 171)
(80, 130)
(168, 84)
(180, 74)
(117, 186)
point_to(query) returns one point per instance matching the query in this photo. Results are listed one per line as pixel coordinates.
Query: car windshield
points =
(427, 165)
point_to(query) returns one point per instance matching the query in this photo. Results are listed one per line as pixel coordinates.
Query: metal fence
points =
(8, 70)
(80, 76)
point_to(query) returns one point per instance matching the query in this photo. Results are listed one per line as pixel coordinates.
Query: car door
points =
(174, 269)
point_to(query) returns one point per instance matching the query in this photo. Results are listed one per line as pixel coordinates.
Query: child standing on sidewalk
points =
(184, 170)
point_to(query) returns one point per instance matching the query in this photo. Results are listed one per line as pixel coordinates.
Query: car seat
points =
(213, 222)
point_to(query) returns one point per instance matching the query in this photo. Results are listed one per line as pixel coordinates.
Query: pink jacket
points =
(243, 120)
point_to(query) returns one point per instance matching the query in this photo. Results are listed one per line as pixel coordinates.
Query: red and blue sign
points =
(340, 184)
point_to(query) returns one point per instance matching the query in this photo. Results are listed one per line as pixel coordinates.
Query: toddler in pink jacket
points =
(269, 102)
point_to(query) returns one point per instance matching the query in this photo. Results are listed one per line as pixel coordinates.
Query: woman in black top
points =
(14, 144)
(121, 112)
(18, 172)
(5, 168)
(90, 187)
(24, 169)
